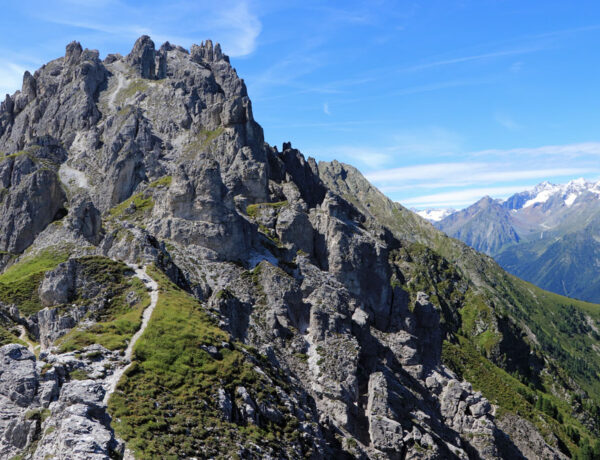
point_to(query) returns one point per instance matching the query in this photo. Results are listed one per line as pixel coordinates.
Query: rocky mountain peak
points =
(485, 201)
(142, 57)
(206, 52)
(194, 292)
(73, 52)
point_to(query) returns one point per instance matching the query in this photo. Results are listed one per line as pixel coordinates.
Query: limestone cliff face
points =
(155, 158)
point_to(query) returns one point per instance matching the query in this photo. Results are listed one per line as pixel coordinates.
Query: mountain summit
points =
(174, 287)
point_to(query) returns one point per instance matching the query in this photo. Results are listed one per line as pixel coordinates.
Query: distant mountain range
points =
(549, 235)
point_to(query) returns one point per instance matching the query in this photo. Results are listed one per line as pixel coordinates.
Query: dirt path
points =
(23, 336)
(113, 96)
(116, 376)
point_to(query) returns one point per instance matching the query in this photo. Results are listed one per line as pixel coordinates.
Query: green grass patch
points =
(37, 414)
(134, 208)
(20, 282)
(253, 209)
(119, 321)
(478, 323)
(78, 374)
(209, 136)
(202, 141)
(6, 337)
(139, 84)
(165, 404)
(42, 261)
(162, 182)
(28, 151)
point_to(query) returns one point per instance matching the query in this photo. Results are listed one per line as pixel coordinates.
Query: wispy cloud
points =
(436, 86)
(370, 158)
(567, 150)
(464, 175)
(516, 67)
(496, 173)
(471, 58)
(326, 109)
(233, 23)
(241, 28)
(423, 141)
(458, 198)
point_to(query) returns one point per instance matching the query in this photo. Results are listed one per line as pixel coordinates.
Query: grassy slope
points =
(19, 283)
(166, 404)
(550, 414)
(119, 321)
(116, 323)
(7, 336)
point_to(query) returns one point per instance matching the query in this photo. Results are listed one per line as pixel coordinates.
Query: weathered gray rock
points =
(31, 196)
(142, 57)
(199, 212)
(18, 386)
(58, 285)
(527, 439)
(294, 228)
(386, 434)
(84, 219)
(18, 379)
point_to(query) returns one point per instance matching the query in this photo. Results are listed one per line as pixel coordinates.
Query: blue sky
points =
(437, 102)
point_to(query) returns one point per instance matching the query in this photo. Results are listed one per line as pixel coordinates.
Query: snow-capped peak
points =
(541, 193)
(435, 215)
(568, 192)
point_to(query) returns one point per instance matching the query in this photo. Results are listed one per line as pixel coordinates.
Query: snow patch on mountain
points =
(434, 215)
(568, 192)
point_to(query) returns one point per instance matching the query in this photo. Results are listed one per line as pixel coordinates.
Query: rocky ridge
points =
(285, 326)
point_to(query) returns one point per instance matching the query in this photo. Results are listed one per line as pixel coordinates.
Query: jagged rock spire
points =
(143, 56)
(208, 53)
(29, 86)
(73, 52)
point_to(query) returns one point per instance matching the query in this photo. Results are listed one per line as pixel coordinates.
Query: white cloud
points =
(240, 28)
(516, 67)
(466, 174)
(229, 22)
(580, 149)
(475, 57)
(326, 109)
(360, 156)
(426, 172)
(431, 140)
(495, 172)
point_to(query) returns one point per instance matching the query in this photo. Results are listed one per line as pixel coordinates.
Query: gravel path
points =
(120, 85)
(23, 336)
(153, 287)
